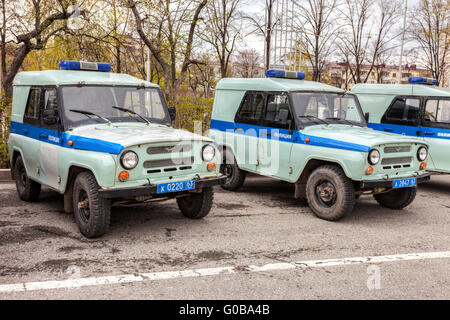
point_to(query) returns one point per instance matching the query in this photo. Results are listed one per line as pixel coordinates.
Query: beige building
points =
(338, 74)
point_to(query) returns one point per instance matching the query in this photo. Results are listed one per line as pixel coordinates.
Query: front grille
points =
(396, 160)
(150, 164)
(397, 149)
(169, 149)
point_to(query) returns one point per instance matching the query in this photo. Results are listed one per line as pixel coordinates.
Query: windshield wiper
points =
(89, 114)
(132, 112)
(314, 117)
(349, 122)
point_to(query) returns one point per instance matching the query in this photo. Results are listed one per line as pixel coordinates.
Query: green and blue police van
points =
(418, 109)
(103, 139)
(316, 137)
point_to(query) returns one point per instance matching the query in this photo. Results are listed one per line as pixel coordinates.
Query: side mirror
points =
(283, 116)
(50, 116)
(367, 116)
(172, 113)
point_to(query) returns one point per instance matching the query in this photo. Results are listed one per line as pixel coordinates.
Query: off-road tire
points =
(343, 199)
(96, 221)
(27, 189)
(229, 168)
(396, 199)
(196, 205)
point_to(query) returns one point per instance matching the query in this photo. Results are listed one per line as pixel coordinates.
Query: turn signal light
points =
(423, 165)
(369, 171)
(307, 140)
(124, 176)
(70, 143)
(211, 166)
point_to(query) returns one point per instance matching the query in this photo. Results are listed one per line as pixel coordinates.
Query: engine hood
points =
(132, 134)
(357, 135)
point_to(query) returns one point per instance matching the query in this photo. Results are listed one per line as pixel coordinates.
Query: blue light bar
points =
(82, 65)
(422, 80)
(285, 74)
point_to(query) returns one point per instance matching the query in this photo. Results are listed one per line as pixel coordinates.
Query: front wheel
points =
(330, 193)
(229, 168)
(196, 205)
(396, 199)
(27, 189)
(92, 212)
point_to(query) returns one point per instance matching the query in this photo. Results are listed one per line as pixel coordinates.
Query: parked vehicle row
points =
(104, 139)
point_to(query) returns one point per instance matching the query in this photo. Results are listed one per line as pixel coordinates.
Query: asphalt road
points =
(260, 225)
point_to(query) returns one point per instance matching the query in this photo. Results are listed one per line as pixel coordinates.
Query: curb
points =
(5, 176)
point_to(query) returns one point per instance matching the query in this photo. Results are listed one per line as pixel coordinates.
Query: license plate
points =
(176, 186)
(404, 183)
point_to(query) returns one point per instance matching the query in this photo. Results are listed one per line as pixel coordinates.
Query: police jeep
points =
(418, 109)
(316, 137)
(105, 139)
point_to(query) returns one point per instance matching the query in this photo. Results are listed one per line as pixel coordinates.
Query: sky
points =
(256, 41)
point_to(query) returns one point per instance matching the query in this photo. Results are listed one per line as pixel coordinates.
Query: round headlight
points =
(374, 157)
(422, 153)
(208, 153)
(129, 160)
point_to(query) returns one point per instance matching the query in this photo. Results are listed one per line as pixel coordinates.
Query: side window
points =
(50, 104)
(403, 110)
(437, 111)
(251, 109)
(276, 103)
(32, 110)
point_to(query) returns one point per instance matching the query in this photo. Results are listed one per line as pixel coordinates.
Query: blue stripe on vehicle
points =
(61, 139)
(285, 136)
(425, 132)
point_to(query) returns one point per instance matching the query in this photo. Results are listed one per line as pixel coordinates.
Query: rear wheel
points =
(330, 193)
(396, 199)
(229, 168)
(92, 212)
(196, 205)
(27, 189)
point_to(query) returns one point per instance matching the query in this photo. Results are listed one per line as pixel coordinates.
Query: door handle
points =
(389, 130)
(43, 136)
(419, 133)
(26, 131)
(429, 134)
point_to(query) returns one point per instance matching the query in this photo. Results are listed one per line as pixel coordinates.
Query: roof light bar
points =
(83, 65)
(285, 74)
(422, 80)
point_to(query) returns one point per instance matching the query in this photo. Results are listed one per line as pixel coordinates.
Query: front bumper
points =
(152, 189)
(388, 183)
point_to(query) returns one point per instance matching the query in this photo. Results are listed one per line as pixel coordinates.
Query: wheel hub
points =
(326, 193)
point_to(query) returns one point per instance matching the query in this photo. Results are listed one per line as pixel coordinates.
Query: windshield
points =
(100, 100)
(327, 108)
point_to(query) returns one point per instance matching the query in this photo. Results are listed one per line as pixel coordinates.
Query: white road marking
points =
(127, 278)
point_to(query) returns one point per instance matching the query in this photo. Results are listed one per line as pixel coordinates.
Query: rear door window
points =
(32, 110)
(437, 113)
(403, 111)
(251, 109)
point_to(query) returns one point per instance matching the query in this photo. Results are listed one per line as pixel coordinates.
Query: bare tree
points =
(222, 29)
(247, 64)
(163, 31)
(42, 17)
(318, 30)
(366, 36)
(430, 28)
(265, 24)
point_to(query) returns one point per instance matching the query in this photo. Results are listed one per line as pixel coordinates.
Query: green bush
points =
(192, 109)
(5, 117)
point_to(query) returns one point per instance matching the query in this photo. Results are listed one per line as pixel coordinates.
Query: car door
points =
(436, 132)
(275, 142)
(403, 117)
(50, 137)
(30, 145)
(247, 125)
